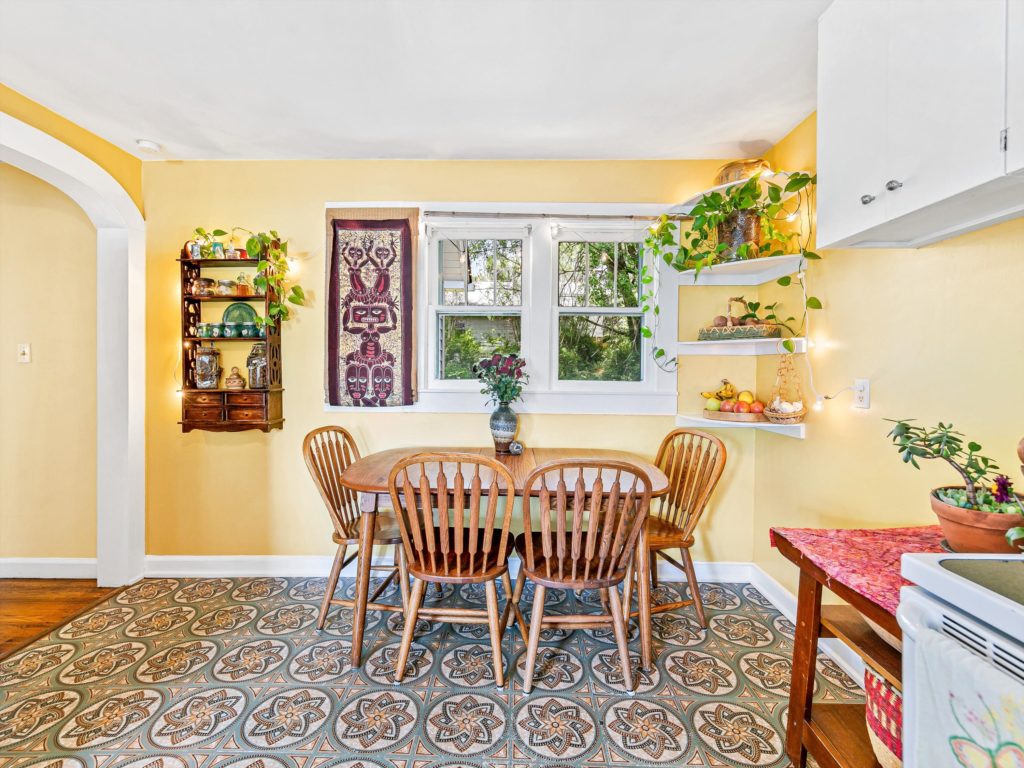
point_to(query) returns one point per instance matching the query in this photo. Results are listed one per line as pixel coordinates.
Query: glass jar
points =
(207, 367)
(259, 375)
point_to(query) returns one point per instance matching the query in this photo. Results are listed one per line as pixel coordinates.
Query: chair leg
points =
(619, 625)
(517, 595)
(537, 622)
(654, 569)
(627, 589)
(403, 574)
(691, 577)
(410, 627)
(494, 624)
(506, 612)
(332, 584)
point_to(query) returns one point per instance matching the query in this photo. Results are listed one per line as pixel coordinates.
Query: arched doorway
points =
(120, 340)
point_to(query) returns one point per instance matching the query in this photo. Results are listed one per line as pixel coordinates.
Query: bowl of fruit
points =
(727, 404)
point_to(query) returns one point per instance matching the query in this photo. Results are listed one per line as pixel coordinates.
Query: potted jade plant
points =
(983, 513)
(503, 378)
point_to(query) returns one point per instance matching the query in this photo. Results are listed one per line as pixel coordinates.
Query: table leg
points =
(805, 655)
(369, 520)
(643, 572)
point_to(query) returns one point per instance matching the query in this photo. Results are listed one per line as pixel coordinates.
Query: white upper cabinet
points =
(914, 97)
(1015, 88)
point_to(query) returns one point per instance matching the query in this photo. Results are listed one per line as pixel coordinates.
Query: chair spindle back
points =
(328, 451)
(455, 542)
(693, 461)
(598, 510)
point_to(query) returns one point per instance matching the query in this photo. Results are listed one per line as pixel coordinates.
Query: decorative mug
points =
(232, 330)
(204, 331)
(216, 330)
(249, 331)
(217, 250)
(194, 249)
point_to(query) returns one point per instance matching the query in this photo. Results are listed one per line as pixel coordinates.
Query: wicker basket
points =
(733, 330)
(777, 417)
(884, 714)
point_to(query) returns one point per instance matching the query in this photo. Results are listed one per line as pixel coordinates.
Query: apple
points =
(712, 404)
(757, 407)
(742, 407)
(728, 406)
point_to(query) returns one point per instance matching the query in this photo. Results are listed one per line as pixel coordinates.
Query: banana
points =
(726, 391)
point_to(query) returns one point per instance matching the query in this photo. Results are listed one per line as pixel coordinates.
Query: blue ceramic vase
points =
(504, 425)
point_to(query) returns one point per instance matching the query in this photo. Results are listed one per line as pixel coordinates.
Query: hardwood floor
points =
(32, 607)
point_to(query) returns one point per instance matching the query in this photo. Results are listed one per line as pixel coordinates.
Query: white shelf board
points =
(746, 272)
(799, 431)
(740, 347)
(779, 179)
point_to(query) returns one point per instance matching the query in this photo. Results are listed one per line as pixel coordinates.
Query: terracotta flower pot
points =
(968, 530)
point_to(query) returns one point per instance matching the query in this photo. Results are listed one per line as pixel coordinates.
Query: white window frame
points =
(655, 394)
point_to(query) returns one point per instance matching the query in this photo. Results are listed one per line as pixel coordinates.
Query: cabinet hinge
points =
(1002, 139)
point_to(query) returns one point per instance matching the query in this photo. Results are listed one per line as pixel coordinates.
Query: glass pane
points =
(481, 272)
(599, 347)
(465, 340)
(598, 274)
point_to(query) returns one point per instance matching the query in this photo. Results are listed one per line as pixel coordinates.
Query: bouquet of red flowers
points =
(502, 378)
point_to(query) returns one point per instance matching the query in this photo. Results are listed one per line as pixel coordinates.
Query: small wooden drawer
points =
(245, 398)
(247, 414)
(203, 412)
(204, 398)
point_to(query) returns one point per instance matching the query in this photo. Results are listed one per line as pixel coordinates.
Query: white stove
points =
(975, 600)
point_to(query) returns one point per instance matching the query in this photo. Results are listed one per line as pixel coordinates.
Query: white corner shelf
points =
(778, 178)
(747, 272)
(799, 431)
(740, 347)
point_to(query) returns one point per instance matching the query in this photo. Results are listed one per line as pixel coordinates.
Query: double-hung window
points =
(564, 293)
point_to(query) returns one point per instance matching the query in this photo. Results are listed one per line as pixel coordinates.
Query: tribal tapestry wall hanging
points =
(369, 323)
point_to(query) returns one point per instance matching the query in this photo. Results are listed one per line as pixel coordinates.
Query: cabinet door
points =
(852, 44)
(1015, 87)
(946, 99)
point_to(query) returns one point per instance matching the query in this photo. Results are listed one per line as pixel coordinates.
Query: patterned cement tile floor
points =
(176, 673)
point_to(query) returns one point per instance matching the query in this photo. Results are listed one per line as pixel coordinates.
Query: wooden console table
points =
(861, 567)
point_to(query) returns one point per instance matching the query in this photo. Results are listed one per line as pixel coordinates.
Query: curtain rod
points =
(605, 216)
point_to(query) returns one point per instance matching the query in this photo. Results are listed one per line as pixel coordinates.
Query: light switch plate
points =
(24, 353)
(861, 393)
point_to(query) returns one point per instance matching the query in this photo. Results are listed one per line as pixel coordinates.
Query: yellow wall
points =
(126, 168)
(938, 332)
(48, 451)
(249, 493)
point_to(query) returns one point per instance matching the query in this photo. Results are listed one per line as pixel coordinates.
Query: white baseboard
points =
(785, 601)
(184, 566)
(47, 567)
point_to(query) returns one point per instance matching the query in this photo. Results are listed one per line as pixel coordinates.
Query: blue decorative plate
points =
(239, 312)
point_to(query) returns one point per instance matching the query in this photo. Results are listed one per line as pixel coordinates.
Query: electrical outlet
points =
(861, 393)
(24, 353)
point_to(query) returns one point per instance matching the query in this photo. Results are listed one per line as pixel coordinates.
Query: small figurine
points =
(515, 448)
(235, 380)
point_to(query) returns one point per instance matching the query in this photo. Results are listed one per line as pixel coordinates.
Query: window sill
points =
(560, 402)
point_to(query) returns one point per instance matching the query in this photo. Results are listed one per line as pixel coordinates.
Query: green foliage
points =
(206, 240)
(594, 348)
(1015, 536)
(697, 246)
(463, 350)
(943, 442)
(271, 253)
(503, 378)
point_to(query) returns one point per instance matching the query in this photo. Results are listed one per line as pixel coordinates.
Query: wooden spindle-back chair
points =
(454, 511)
(583, 535)
(328, 451)
(693, 461)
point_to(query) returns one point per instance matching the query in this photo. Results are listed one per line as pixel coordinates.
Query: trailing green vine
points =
(697, 248)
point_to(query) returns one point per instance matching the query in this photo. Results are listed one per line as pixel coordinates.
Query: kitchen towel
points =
(970, 713)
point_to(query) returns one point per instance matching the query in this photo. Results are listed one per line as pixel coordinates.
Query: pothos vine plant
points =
(271, 254)
(698, 248)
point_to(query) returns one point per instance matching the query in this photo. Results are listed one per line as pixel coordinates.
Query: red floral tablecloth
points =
(867, 560)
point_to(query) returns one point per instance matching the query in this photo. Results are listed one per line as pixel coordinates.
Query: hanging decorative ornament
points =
(787, 403)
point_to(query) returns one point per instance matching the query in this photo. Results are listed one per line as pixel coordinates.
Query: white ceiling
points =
(243, 79)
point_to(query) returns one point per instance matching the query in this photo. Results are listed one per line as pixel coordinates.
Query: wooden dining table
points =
(370, 474)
